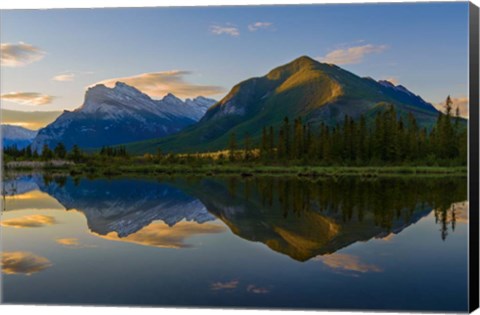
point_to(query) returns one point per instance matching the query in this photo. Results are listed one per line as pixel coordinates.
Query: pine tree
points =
(47, 154)
(60, 151)
(232, 146)
(247, 147)
(76, 155)
(271, 143)
(286, 138)
(361, 140)
(264, 145)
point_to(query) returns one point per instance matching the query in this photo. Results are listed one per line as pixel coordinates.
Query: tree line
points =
(60, 152)
(389, 139)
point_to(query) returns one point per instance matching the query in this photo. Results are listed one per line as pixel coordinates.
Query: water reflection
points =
(296, 217)
(304, 219)
(29, 221)
(347, 243)
(159, 234)
(23, 263)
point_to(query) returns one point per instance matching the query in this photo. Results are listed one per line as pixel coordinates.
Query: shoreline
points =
(241, 170)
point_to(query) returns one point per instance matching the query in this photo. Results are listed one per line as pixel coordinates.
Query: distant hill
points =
(317, 92)
(17, 136)
(33, 120)
(111, 116)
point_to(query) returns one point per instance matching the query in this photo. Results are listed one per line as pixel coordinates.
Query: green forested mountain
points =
(316, 92)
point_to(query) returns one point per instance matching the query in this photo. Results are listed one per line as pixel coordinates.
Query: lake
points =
(387, 243)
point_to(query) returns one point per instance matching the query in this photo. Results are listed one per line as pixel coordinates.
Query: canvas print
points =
(293, 156)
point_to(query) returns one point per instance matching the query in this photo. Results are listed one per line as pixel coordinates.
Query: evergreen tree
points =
(76, 154)
(232, 146)
(47, 154)
(247, 147)
(60, 151)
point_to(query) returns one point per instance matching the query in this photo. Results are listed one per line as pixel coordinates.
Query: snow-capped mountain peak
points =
(121, 114)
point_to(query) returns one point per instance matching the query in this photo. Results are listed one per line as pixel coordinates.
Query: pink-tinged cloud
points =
(29, 221)
(460, 102)
(229, 285)
(159, 234)
(158, 84)
(67, 77)
(19, 55)
(27, 98)
(352, 55)
(392, 80)
(72, 243)
(23, 263)
(347, 262)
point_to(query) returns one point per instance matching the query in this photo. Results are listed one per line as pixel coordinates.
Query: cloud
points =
(392, 80)
(228, 29)
(64, 77)
(257, 290)
(27, 98)
(72, 243)
(23, 263)
(259, 25)
(352, 55)
(29, 221)
(347, 262)
(158, 84)
(230, 285)
(388, 237)
(31, 120)
(161, 235)
(460, 102)
(18, 55)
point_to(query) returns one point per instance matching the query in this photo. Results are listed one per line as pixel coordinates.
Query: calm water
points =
(349, 243)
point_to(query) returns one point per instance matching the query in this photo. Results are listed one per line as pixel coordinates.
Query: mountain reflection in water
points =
(297, 217)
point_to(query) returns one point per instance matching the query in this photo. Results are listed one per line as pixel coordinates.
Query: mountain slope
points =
(17, 136)
(111, 116)
(315, 91)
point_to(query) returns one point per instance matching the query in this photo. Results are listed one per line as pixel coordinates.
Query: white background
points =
(57, 310)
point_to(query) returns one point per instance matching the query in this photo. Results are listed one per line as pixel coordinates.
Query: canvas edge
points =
(473, 158)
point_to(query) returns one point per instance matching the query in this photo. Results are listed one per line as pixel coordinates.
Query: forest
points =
(390, 139)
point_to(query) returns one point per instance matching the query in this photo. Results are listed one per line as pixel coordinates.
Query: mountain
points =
(121, 114)
(17, 136)
(121, 206)
(317, 92)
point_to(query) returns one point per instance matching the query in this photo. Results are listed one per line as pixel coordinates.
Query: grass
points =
(129, 168)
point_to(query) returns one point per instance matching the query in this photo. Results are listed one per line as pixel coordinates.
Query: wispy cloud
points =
(18, 55)
(227, 29)
(393, 80)
(460, 102)
(158, 84)
(161, 235)
(257, 290)
(23, 263)
(27, 98)
(64, 77)
(352, 55)
(259, 25)
(72, 243)
(29, 221)
(347, 262)
(229, 285)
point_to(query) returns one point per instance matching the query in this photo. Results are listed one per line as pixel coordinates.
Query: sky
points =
(50, 57)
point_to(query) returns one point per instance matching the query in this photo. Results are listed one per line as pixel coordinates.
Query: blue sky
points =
(207, 50)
